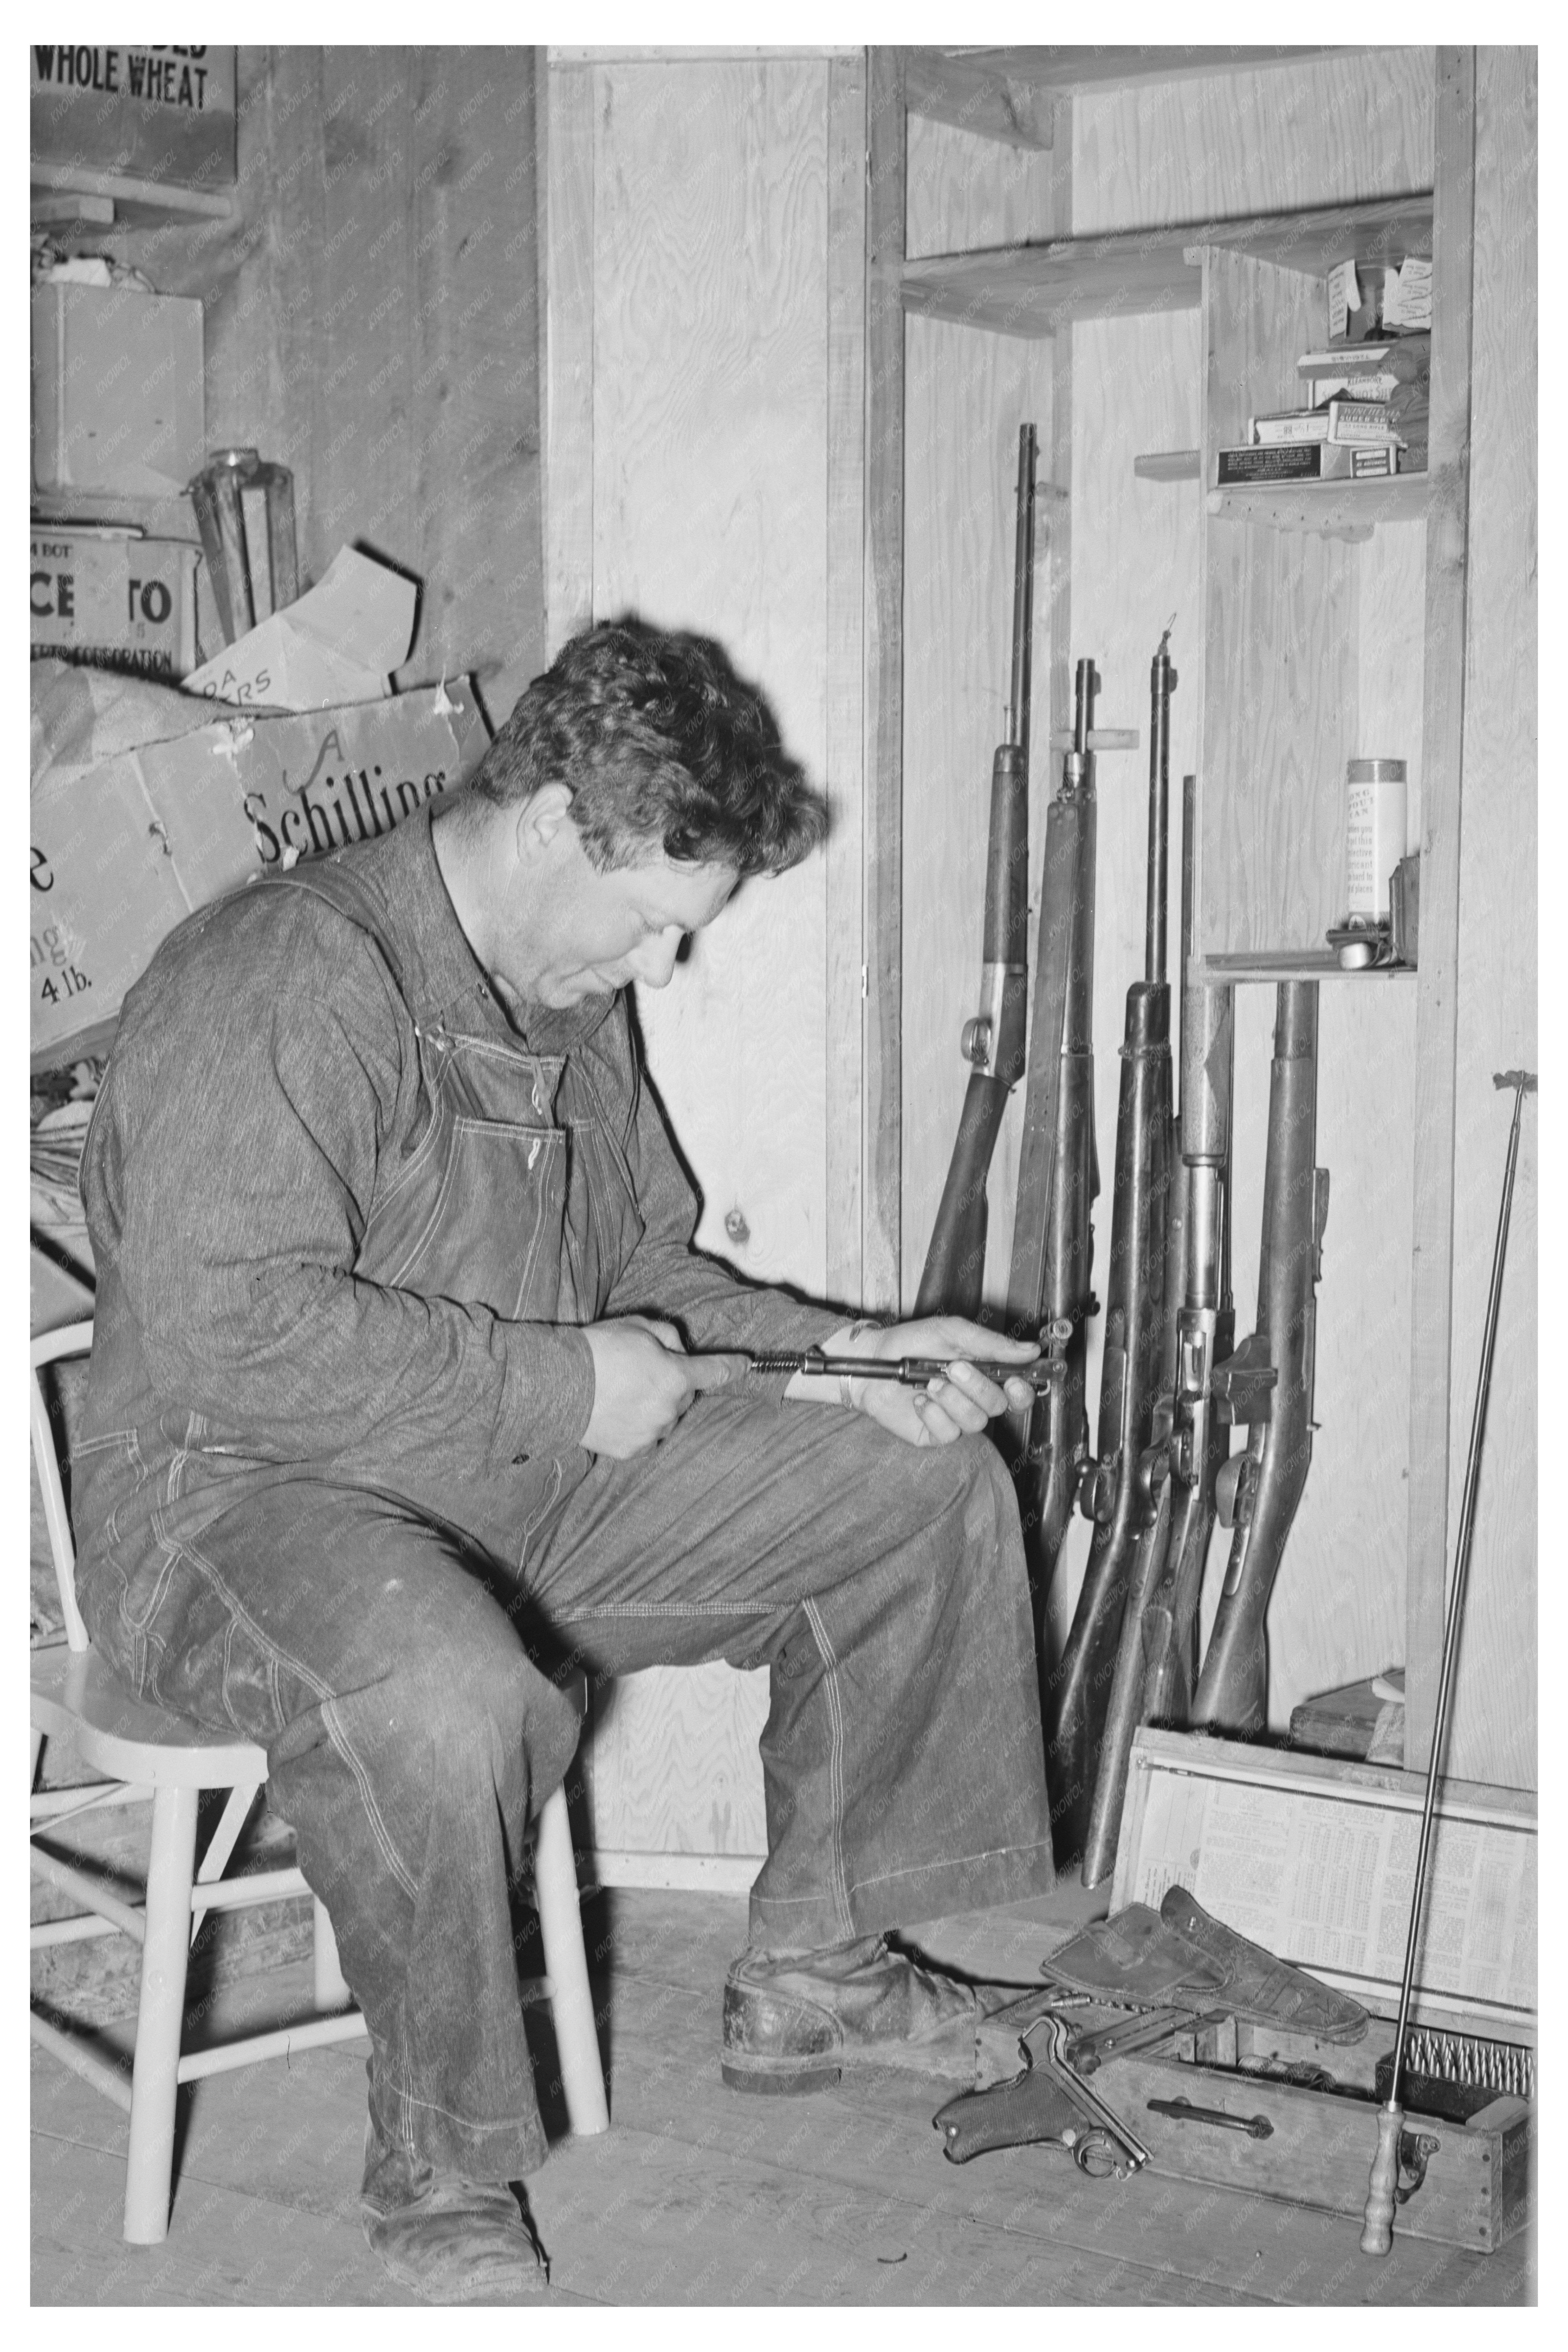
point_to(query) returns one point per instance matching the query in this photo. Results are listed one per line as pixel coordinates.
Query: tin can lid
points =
(1374, 771)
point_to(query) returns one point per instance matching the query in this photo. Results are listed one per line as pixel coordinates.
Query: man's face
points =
(594, 932)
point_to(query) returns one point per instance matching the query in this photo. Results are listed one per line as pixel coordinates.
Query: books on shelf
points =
(1340, 419)
(1305, 461)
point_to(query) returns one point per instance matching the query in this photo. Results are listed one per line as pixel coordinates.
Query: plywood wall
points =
(372, 321)
(710, 512)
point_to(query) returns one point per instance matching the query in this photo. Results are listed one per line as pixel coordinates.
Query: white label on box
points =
(1345, 296)
(124, 604)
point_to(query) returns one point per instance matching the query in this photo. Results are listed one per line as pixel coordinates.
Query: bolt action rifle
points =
(993, 1043)
(1109, 1490)
(1156, 1661)
(1059, 1167)
(1258, 1490)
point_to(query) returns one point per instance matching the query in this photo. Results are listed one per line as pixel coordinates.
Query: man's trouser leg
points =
(409, 1739)
(885, 1586)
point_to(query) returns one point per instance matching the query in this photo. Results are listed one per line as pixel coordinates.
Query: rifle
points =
(993, 1043)
(1058, 1168)
(1109, 1490)
(1258, 1490)
(1155, 1659)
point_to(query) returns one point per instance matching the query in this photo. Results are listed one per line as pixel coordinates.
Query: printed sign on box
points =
(154, 113)
(125, 847)
(120, 602)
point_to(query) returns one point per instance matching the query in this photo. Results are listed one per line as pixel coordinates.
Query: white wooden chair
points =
(144, 1752)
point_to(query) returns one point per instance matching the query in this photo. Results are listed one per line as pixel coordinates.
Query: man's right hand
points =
(643, 1383)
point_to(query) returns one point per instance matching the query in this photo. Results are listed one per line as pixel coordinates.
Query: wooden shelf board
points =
(1351, 509)
(135, 202)
(1010, 94)
(1288, 963)
(168, 517)
(1031, 290)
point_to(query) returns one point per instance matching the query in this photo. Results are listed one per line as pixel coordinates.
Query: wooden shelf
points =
(132, 203)
(1347, 510)
(1010, 94)
(1271, 964)
(167, 518)
(1031, 290)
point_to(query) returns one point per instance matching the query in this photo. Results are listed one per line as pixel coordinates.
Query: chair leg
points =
(331, 1990)
(567, 1965)
(154, 2080)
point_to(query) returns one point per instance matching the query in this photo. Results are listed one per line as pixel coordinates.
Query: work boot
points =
(793, 2021)
(447, 2238)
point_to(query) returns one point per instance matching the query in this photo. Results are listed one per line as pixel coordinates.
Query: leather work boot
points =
(794, 2022)
(447, 2238)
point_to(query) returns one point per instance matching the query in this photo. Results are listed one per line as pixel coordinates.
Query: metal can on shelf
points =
(1375, 834)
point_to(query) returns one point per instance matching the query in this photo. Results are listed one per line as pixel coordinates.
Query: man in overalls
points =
(408, 1391)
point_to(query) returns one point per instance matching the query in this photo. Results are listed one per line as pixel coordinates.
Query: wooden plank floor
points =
(696, 2196)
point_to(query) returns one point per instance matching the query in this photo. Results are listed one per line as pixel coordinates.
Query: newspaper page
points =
(1327, 1883)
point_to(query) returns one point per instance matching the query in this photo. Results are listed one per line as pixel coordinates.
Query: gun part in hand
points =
(915, 1371)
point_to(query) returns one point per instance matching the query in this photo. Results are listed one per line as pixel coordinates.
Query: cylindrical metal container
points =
(1375, 834)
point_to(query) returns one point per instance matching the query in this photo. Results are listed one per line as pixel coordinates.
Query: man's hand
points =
(643, 1383)
(962, 1402)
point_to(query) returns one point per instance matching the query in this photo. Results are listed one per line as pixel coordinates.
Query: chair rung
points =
(80, 1930)
(234, 1893)
(53, 1804)
(131, 1918)
(345, 2027)
(83, 2062)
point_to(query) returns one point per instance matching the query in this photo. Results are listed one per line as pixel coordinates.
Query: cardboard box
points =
(125, 846)
(116, 601)
(337, 643)
(155, 113)
(117, 397)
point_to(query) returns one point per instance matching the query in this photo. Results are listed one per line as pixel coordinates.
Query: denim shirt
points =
(348, 1220)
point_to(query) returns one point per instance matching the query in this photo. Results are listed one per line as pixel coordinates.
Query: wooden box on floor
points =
(1313, 1858)
(1468, 2184)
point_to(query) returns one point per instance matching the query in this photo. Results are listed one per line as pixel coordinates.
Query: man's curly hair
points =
(663, 748)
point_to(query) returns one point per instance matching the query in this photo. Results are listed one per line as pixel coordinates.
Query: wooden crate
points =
(1477, 2189)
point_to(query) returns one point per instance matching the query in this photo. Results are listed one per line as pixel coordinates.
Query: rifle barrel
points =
(1023, 596)
(1161, 681)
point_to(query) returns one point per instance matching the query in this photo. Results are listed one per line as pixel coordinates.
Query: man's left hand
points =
(962, 1401)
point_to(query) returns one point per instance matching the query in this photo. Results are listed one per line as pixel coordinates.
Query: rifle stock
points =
(1261, 1488)
(994, 1042)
